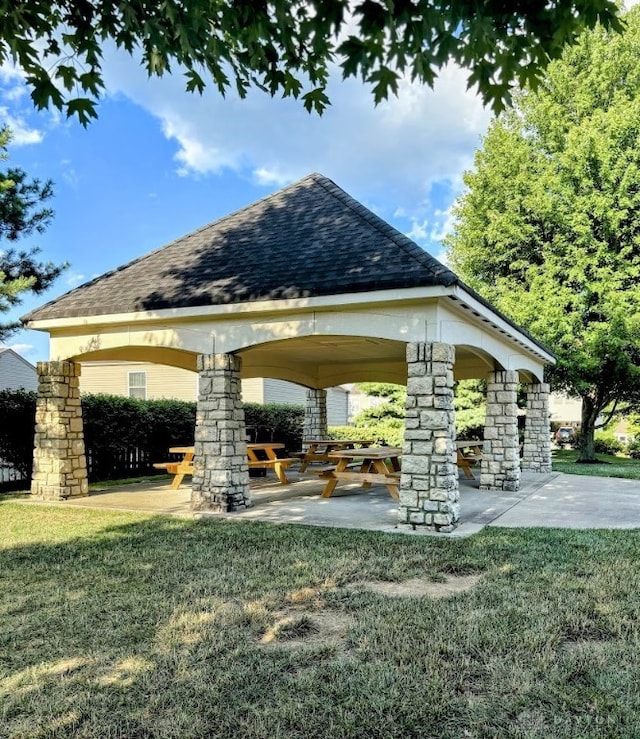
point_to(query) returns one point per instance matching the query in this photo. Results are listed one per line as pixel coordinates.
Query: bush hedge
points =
(282, 422)
(605, 443)
(389, 432)
(125, 436)
(17, 424)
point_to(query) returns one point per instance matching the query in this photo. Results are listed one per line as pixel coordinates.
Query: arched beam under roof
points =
(320, 361)
(326, 361)
(156, 354)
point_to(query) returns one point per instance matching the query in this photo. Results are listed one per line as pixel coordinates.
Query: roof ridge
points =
(404, 242)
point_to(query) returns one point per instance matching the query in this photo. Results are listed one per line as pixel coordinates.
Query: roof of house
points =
(307, 240)
(9, 352)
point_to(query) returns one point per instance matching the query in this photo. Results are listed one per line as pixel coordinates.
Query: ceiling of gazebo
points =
(336, 360)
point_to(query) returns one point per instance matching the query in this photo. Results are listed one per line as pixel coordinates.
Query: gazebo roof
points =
(308, 240)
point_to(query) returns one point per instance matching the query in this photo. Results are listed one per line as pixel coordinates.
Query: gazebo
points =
(306, 285)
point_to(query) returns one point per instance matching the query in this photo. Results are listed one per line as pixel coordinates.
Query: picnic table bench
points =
(180, 468)
(468, 454)
(259, 456)
(376, 465)
(318, 450)
(268, 459)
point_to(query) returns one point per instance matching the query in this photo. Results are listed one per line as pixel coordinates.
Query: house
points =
(565, 410)
(15, 372)
(148, 381)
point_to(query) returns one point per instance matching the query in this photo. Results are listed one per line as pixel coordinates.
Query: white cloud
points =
(21, 133)
(75, 278)
(22, 349)
(419, 230)
(393, 153)
(443, 224)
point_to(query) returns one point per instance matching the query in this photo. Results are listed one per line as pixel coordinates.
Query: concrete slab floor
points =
(555, 500)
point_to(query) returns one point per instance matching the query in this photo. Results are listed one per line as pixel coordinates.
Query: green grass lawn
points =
(125, 625)
(609, 465)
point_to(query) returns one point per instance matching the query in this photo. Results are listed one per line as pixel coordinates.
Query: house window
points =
(138, 385)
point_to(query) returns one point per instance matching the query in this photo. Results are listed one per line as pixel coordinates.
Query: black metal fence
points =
(123, 463)
(11, 479)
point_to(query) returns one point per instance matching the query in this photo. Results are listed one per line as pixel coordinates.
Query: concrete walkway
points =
(555, 500)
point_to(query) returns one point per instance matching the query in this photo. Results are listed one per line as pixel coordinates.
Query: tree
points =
(286, 46)
(549, 226)
(20, 216)
(471, 408)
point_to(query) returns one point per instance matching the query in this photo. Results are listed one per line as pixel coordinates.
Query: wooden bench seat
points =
(283, 461)
(325, 469)
(279, 466)
(465, 462)
(177, 469)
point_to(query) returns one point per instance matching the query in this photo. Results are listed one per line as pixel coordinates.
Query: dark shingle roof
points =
(307, 240)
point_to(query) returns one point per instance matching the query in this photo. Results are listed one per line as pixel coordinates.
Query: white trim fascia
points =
(299, 305)
(485, 314)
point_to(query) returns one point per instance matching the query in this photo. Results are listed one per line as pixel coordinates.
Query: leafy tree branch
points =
(286, 47)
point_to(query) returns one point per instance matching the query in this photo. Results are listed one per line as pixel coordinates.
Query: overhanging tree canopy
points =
(286, 46)
(549, 228)
(20, 216)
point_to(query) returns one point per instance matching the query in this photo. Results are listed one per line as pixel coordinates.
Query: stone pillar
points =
(59, 460)
(220, 474)
(315, 415)
(537, 431)
(500, 468)
(429, 483)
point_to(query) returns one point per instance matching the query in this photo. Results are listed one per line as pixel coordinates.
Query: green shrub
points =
(281, 422)
(470, 423)
(17, 428)
(124, 436)
(390, 432)
(633, 448)
(605, 443)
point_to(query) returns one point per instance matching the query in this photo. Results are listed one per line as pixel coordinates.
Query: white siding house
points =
(15, 372)
(154, 381)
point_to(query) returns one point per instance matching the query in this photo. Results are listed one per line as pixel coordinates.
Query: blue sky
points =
(160, 162)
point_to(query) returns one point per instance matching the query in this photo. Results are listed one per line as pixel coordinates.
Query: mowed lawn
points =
(608, 465)
(125, 625)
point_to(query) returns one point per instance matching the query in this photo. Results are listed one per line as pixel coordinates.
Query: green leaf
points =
(83, 108)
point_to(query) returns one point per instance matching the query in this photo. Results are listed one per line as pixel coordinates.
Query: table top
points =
(338, 441)
(264, 445)
(377, 452)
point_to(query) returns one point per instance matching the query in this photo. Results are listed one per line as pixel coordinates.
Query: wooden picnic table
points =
(468, 454)
(379, 465)
(259, 456)
(318, 450)
(178, 469)
(263, 456)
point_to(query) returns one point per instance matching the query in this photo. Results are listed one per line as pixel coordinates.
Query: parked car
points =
(565, 435)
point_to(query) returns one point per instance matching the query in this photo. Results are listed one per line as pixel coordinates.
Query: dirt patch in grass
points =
(420, 587)
(293, 629)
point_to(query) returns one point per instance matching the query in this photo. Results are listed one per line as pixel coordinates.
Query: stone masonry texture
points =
(500, 469)
(220, 476)
(59, 460)
(536, 455)
(429, 492)
(315, 415)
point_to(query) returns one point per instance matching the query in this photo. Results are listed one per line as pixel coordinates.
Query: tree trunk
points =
(587, 431)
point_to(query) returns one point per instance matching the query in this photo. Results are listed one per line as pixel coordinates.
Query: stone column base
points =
(59, 460)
